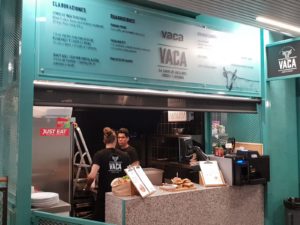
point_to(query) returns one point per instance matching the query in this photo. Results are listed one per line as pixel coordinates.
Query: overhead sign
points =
(283, 60)
(106, 41)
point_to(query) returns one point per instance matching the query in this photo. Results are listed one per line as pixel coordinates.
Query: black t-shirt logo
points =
(115, 166)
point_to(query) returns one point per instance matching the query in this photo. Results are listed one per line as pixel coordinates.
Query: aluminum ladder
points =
(82, 158)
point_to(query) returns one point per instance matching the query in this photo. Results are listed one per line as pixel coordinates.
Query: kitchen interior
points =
(159, 128)
(149, 130)
(155, 138)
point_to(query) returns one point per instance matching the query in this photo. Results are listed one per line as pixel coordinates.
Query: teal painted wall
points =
(27, 71)
(298, 122)
(282, 148)
(281, 143)
(244, 127)
(16, 100)
(10, 17)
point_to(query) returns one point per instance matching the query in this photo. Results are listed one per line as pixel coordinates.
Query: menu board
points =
(117, 42)
(211, 174)
(140, 180)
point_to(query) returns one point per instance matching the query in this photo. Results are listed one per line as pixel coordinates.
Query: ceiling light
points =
(287, 34)
(278, 24)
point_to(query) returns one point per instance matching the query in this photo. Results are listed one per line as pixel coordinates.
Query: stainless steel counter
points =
(62, 208)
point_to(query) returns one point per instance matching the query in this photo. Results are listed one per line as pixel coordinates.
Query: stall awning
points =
(49, 93)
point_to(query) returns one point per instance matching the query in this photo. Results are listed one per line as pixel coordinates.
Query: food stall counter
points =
(207, 205)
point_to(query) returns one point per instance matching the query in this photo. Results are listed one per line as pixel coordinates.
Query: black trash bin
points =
(292, 211)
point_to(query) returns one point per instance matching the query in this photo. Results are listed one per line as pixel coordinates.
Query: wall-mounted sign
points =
(63, 122)
(177, 116)
(54, 132)
(108, 41)
(283, 60)
(62, 128)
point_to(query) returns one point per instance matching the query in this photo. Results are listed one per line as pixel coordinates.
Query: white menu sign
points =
(140, 181)
(211, 173)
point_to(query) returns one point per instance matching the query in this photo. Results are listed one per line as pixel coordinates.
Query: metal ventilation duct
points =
(79, 95)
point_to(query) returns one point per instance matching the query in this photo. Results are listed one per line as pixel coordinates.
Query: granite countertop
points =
(224, 205)
(160, 192)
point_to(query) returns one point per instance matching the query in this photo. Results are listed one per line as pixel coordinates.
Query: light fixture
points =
(41, 19)
(287, 34)
(278, 24)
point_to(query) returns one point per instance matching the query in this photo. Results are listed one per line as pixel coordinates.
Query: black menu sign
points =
(283, 60)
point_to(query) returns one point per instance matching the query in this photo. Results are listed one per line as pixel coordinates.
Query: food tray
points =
(177, 189)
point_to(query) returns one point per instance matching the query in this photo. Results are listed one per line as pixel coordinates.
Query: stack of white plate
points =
(44, 199)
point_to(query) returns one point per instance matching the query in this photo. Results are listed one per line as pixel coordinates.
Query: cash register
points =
(244, 167)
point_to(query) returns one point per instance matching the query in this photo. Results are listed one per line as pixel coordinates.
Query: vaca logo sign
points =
(283, 60)
(288, 63)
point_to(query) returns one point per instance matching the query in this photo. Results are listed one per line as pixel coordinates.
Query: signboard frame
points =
(283, 59)
(180, 53)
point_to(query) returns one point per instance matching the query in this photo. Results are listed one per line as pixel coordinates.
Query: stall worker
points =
(123, 139)
(110, 164)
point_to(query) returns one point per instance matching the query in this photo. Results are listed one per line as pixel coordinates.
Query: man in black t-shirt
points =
(123, 138)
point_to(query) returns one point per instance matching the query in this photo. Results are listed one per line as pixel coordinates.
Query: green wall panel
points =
(298, 123)
(244, 127)
(282, 148)
(16, 99)
(280, 140)
(10, 17)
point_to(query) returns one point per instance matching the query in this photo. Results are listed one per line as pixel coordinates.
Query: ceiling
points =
(242, 11)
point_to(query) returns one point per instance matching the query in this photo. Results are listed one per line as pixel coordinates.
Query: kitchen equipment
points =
(56, 166)
(245, 168)
(61, 208)
(154, 175)
(80, 184)
(173, 147)
(177, 130)
(52, 153)
(83, 204)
